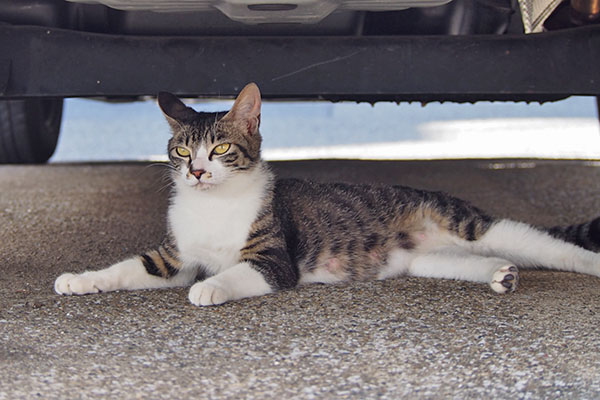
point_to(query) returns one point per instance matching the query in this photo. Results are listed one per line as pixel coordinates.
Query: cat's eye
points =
(182, 151)
(221, 149)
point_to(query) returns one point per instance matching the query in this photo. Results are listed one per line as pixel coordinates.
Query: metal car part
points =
(261, 11)
(398, 68)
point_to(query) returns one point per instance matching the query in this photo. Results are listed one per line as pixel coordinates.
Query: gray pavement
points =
(405, 337)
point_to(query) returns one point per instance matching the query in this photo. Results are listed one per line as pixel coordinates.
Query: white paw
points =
(505, 279)
(208, 293)
(75, 284)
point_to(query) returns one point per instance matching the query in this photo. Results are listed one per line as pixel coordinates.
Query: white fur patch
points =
(320, 275)
(211, 226)
(529, 247)
(456, 263)
(237, 282)
(129, 275)
(398, 261)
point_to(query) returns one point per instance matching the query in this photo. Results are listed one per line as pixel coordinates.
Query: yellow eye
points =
(182, 151)
(221, 149)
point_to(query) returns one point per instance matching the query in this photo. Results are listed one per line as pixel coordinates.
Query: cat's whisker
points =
(164, 187)
(166, 176)
(159, 164)
(163, 165)
(167, 179)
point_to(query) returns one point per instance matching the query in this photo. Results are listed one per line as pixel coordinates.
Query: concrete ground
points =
(405, 337)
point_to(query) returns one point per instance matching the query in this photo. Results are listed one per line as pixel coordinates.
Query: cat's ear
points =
(175, 111)
(246, 108)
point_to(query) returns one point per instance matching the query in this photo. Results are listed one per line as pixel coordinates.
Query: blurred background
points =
(99, 131)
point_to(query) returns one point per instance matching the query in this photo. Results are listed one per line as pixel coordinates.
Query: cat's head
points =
(207, 149)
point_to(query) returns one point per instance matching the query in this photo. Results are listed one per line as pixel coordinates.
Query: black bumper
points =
(37, 61)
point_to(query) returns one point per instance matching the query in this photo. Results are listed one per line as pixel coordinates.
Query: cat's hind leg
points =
(530, 247)
(155, 269)
(457, 263)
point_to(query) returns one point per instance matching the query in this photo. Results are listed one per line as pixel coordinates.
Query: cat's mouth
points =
(204, 185)
(197, 184)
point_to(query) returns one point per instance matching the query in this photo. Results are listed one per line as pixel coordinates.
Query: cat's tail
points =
(586, 235)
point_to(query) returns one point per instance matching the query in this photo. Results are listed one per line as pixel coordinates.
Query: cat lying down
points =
(234, 231)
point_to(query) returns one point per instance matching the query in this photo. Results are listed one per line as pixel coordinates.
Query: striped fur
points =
(585, 235)
(163, 262)
(359, 225)
(241, 233)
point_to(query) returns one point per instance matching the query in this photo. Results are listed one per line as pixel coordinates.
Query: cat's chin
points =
(203, 186)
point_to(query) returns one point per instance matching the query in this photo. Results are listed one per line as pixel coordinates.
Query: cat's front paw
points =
(69, 284)
(505, 279)
(208, 293)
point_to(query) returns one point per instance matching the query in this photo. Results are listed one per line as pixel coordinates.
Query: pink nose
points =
(197, 172)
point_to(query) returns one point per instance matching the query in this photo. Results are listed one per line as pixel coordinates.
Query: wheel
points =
(29, 129)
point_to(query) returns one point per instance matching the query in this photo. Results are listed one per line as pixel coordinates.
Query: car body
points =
(434, 50)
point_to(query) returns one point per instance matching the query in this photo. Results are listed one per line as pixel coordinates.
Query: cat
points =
(236, 232)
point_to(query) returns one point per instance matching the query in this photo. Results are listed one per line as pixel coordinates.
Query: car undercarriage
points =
(462, 51)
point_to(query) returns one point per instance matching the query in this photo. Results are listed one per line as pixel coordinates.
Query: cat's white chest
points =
(211, 227)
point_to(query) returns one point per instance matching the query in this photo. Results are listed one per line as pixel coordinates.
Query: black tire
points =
(29, 130)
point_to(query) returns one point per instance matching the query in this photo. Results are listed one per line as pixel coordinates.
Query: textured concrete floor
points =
(405, 337)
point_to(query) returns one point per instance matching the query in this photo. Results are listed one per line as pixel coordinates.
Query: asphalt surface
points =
(404, 337)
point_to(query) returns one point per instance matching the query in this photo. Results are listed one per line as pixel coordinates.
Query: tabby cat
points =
(235, 232)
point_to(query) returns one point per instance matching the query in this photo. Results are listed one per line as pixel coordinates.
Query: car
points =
(368, 50)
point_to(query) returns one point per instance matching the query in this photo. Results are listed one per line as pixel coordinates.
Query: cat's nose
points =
(197, 172)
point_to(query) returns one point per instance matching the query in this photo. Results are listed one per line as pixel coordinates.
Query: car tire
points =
(29, 130)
